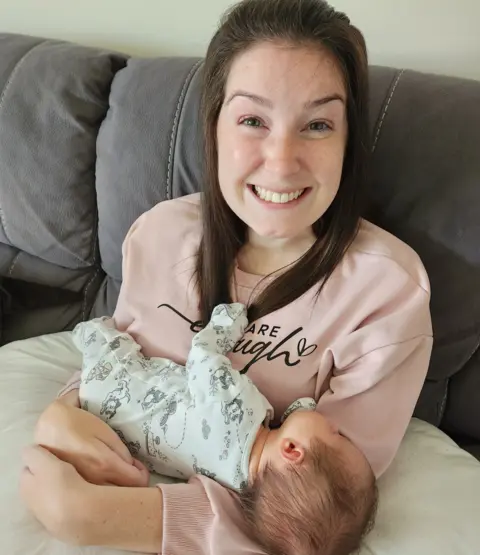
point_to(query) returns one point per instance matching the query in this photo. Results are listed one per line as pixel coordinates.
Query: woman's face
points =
(281, 133)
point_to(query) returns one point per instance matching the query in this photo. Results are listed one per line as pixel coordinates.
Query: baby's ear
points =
(292, 451)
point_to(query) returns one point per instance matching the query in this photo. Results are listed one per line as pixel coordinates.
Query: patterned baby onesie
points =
(180, 421)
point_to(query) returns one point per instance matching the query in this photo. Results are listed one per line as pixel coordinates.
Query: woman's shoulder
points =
(181, 211)
(169, 219)
(171, 230)
(392, 255)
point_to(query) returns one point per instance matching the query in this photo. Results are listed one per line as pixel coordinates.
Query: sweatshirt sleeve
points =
(378, 373)
(122, 316)
(203, 518)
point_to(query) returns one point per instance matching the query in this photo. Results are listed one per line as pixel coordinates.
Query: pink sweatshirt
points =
(361, 350)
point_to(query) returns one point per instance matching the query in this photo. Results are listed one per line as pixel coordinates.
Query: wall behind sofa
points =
(430, 35)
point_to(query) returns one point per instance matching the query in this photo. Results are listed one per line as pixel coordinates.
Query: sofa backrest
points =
(53, 100)
(90, 139)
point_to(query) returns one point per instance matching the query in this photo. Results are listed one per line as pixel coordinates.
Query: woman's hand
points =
(77, 512)
(55, 493)
(89, 444)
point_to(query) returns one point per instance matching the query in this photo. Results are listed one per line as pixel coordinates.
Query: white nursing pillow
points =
(429, 498)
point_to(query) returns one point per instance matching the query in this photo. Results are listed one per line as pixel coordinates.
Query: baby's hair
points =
(317, 508)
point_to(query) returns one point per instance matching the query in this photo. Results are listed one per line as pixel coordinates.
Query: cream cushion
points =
(429, 498)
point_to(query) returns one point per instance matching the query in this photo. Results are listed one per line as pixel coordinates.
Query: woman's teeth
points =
(276, 198)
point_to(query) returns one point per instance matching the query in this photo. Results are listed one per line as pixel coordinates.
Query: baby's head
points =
(313, 492)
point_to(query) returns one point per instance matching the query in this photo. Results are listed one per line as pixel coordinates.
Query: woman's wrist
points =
(76, 522)
(119, 517)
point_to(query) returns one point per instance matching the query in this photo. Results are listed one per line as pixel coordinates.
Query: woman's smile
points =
(278, 200)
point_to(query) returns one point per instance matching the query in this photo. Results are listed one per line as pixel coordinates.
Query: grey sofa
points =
(90, 139)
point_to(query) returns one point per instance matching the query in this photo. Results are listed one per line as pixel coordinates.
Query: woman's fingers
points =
(91, 446)
(126, 470)
(40, 476)
(110, 439)
(29, 490)
(27, 480)
(143, 470)
(37, 459)
(122, 473)
(51, 489)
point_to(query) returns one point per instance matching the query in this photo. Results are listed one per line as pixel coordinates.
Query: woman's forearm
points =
(122, 518)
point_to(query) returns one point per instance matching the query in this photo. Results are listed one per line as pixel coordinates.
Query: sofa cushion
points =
(425, 190)
(429, 498)
(149, 150)
(53, 99)
(3, 303)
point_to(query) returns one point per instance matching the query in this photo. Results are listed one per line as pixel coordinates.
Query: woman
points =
(339, 308)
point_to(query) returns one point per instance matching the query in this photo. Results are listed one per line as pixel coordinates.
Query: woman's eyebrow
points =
(254, 97)
(325, 100)
(265, 102)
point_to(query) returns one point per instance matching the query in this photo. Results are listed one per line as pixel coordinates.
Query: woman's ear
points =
(292, 451)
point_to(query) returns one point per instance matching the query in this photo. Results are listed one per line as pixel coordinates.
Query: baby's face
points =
(303, 426)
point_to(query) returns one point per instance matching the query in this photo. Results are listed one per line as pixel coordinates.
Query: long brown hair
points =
(312, 23)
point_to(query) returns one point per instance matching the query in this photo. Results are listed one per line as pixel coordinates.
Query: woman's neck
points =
(266, 255)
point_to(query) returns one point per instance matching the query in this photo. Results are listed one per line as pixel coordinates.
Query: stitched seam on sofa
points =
(85, 294)
(470, 356)
(447, 380)
(14, 263)
(443, 404)
(385, 110)
(188, 80)
(93, 256)
(2, 98)
(93, 247)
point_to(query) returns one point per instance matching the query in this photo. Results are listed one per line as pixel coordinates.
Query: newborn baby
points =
(302, 478)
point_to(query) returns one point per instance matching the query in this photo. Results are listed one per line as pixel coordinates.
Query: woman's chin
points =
(277, 232)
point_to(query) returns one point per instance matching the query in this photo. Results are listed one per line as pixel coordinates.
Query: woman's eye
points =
(319, 126)
(251, 122)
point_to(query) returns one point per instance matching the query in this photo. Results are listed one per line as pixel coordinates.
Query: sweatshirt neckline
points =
(251, 281)
(244, 279)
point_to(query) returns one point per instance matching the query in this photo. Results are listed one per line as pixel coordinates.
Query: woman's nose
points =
(281, 156)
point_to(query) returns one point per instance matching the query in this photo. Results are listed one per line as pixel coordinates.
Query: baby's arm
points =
(98, 338)
(207, 360)
(105, 349)
(226, 327)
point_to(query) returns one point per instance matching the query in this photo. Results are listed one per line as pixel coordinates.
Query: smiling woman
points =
(339, 308)
(296, 146)
(285, 184)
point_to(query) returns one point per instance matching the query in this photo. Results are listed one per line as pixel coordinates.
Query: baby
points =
(303, 487)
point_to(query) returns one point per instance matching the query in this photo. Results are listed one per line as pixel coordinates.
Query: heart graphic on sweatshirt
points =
(302, 348)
